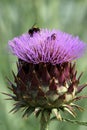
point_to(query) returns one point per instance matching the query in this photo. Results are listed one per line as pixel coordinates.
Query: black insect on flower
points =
(33, 30)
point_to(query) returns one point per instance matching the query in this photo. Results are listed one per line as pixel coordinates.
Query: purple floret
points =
(47, 46)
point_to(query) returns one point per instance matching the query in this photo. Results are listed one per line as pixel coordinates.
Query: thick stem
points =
(45, 117)
(44, 126)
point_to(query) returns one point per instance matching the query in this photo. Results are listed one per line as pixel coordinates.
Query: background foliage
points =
(16, 17)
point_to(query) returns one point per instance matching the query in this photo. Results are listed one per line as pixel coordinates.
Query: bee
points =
(33, 30)
(53, 36)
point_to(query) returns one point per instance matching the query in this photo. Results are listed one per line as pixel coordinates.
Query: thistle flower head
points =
(47, 79)
(47, 46)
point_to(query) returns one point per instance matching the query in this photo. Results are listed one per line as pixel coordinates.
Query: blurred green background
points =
(16, 17)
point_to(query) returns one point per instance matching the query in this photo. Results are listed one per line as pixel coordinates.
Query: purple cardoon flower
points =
(47, 80)
(47, 46)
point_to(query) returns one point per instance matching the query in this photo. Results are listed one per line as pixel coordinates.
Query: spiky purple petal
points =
(47, 46)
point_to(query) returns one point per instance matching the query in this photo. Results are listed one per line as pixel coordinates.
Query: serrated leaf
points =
(10, 95)
(18, 106)
(77, 106)
(28, 111)
(71, 121)
(70, 111)
(37, 112)
(57, 114)
(75, 122)
(79, 98)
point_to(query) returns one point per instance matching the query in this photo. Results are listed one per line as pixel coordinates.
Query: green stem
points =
(45, 117)
(44, 126)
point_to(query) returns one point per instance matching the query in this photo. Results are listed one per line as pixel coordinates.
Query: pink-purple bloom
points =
(47, 46)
